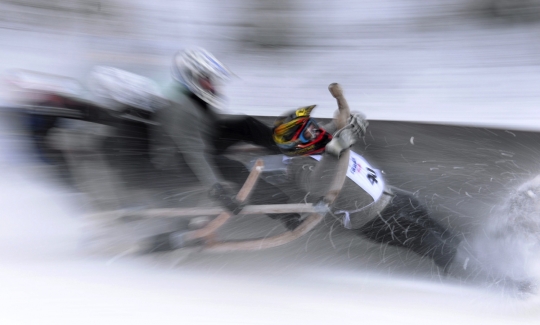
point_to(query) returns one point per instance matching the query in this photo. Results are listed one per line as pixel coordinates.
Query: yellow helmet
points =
(297, 134)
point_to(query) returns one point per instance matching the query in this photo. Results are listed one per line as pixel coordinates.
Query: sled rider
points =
(201, 135)
(395, 217)
(193, 126)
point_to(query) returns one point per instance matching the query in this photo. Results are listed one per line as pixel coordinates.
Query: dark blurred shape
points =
(89, 16)
(271, 23)
(508, 10)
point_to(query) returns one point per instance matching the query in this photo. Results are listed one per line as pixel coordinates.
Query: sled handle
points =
(343, 112)
(340, 120)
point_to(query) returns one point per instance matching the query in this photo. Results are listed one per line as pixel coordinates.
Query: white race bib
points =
(365, 176)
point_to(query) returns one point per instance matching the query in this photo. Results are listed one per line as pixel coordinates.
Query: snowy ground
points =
(47, 278)
(468, 73)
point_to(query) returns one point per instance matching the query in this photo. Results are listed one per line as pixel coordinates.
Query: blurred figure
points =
(45, 103)
(192, 127)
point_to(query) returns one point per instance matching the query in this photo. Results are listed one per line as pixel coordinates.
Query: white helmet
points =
(200, 72)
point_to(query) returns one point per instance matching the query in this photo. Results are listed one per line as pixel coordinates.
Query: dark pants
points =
(406, 223)
(243, 129)
(250, 130)
(39, 127)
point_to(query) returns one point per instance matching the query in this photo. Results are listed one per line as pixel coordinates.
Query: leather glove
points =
(359, 123)
(346, 137)
(226, 197)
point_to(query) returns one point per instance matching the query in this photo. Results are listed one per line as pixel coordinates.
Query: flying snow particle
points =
(466, 263)
(412, 141)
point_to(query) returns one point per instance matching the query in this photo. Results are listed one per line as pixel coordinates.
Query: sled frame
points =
(208, 232)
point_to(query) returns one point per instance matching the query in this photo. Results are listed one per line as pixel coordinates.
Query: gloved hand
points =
(347, 136)
(359, 123)
(226, 197)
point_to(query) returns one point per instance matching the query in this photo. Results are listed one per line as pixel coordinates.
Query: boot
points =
(170, 241)
(159, 243)
(291, 221)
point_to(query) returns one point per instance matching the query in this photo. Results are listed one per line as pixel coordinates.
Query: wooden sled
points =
(208, 233)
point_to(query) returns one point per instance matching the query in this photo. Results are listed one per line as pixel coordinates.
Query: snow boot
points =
(291, 221)
(170, 241)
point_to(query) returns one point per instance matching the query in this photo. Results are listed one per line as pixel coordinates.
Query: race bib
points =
(365, 176)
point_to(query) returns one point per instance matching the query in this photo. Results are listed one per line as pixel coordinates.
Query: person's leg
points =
(406, 223)
(244, 129)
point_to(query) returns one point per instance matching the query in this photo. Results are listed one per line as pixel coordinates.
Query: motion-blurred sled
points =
(99, 142)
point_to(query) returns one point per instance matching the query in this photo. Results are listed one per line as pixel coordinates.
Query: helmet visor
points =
(311, 131)
(206, 84)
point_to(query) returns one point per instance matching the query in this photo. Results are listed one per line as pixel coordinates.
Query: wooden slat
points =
(193, 212)
(250, 182)
(267, 242)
